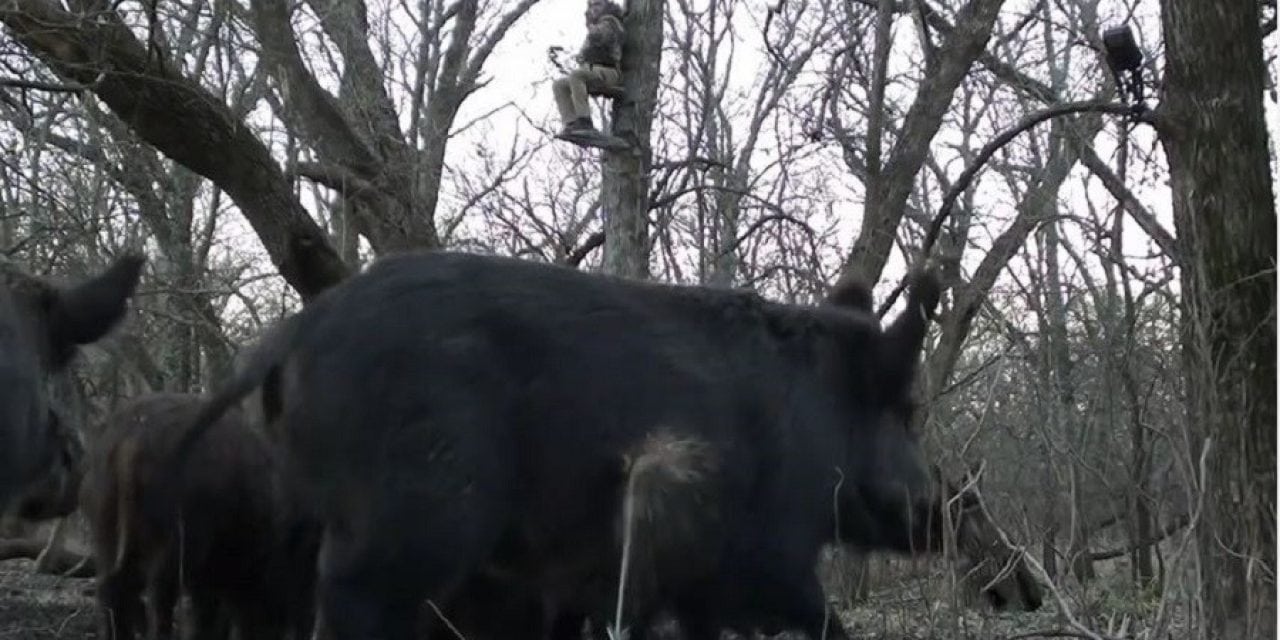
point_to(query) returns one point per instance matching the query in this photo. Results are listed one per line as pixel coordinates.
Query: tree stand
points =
(599, 139)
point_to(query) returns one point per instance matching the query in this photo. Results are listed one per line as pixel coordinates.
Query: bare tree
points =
(731, 179)
(890, 170)
(93, 49)
(390, 178)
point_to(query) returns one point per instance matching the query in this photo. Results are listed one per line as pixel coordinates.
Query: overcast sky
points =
(520, 76)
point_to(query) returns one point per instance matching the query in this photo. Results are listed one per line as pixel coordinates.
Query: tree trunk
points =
(1049, 551)
(624, 186)
(724, 258)
(1070, 425)
(1140, 486)
(1215, 139)
(1140, 501)
(1122, 330)
(1047, 414)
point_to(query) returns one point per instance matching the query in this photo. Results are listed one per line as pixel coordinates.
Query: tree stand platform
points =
(594, 138)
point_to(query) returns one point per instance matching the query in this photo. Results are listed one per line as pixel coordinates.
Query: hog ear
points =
(84, 313)
(904, 339)
(852, 294)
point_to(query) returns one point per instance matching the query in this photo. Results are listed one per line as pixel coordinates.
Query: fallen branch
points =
(1159, 536)
(59, 562)
(1079, 630)
(23, 548)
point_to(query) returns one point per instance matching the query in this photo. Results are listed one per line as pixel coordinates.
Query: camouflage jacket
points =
(604, 43)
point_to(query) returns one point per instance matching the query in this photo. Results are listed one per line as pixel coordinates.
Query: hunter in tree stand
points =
(598, 73)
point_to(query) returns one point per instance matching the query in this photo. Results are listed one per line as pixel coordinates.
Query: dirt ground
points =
(41, 607)
(36, 606)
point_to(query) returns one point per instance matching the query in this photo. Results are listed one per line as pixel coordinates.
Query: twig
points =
(768, 22)
(447, 623)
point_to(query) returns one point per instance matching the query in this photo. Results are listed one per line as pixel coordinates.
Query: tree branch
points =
(313, 110)
(187, 124)
(879, 72)
(984, 155)
(1140, 214)
(54, 87)
(887, 200)
(593, 242)
(364, 92)
(1033, 209)
(481, 54)
(334, 177)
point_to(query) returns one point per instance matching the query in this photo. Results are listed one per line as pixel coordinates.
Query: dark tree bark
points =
(1216, 144)
(624, 185)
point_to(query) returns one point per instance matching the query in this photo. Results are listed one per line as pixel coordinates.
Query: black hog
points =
(54, 491)
(456, 414)
(233, 539)
(41, 327)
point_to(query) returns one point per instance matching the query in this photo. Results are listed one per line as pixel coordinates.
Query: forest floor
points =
(39, 607)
